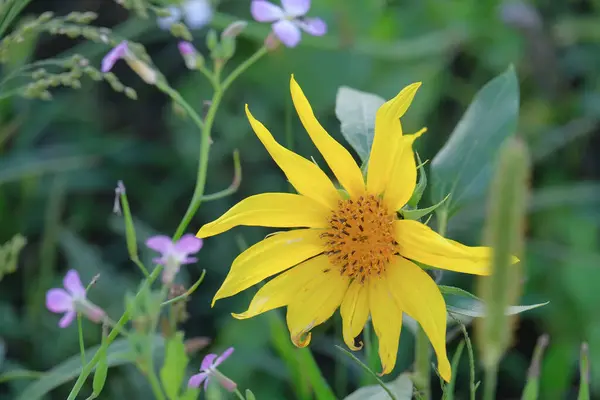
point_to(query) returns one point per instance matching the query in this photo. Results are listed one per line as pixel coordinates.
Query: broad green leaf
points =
(464, 165)
(173, 369)
(250, 395)
(459, 301)
(356, 112)
(118, 353)
(401, 388)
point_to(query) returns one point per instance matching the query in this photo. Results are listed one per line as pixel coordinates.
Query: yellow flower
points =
(354, 251)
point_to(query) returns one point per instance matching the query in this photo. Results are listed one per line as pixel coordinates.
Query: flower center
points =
(360, 239)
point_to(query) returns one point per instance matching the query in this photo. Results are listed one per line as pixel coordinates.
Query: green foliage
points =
(173, 370)
(9, 254)
(356, 112)
(463, 167)
(90, 139)
(461, 302)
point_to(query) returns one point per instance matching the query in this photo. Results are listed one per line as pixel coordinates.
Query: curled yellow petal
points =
(419, 242)
(277, 210)
(354, 311)
(283, 289)
(269, 257)
(388, 132)
(403, 177)
(337, 157)
(387, 321)
(315, 303)
(304, 175)
(418, 296)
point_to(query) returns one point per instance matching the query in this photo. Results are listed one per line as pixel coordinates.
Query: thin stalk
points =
(422, 356)
(205, 140)
(489, 383)
(87, 370)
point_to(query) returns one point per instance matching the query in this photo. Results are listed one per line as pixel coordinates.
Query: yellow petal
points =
(418, 296)
(388, 132)
(283, 289)
(277, 210)
(337, 157)
(387, 321)
(304, 175)
(355, 311)
(269, 257)
(403, 177)
(315, 303)
(419, 242)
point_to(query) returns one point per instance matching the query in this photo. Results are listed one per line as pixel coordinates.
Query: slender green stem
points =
(235, 184)
(89, 367)
(155, 385)
(242, 67)
(422, 349)
(205, 140)
(370, 371)
(188, 292)
(81, 344)
(472, 387)
(422, 356)
(489, 384)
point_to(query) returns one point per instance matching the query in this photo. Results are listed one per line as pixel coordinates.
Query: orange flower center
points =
(360, 240)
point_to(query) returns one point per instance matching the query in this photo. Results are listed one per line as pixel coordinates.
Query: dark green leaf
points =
(356, 112)
(464, 165)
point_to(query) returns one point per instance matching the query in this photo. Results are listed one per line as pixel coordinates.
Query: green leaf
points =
(250, 395)
(464, 165)
(421, 212)
(459, 301)
(190, 394)
(356, 112)
(401, 388)
(584, 373)
(100, 374)
(118, 353)
(173, 369)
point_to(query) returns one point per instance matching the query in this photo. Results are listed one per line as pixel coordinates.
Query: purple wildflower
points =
(71, 300)
(208, 369)
(189, 54)
(289, 20)
(173, 255)
(122, 51)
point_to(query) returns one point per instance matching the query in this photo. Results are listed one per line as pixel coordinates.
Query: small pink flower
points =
(122, 52)
(288, 20)
(173, 255)
(189, 54)
(208, 370)
(71, 300)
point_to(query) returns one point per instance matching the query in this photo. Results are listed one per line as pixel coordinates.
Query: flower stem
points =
(489, 383)
(155, 385)
(81, 344)
(205, 139)
(89, 367)
(422, 357)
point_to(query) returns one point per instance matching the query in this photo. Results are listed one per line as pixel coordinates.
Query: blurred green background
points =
(60, 161)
